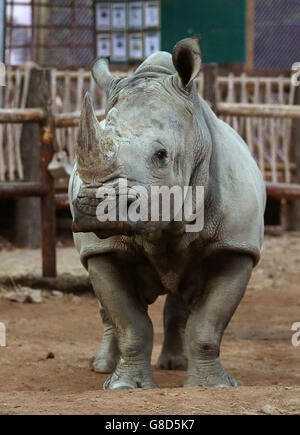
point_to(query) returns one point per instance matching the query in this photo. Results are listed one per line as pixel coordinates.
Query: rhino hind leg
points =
(173, 355)
(115, 290)
(108, 356)
(225, 286)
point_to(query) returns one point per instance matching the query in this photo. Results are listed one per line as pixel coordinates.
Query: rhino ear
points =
(187, 60)
(102, 75)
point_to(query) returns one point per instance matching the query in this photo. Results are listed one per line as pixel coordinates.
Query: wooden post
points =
(250, 34)
(35, 223)
(210, 77)
(27, 223)
(48, 205)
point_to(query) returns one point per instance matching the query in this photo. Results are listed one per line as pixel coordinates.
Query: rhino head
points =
(154, 134)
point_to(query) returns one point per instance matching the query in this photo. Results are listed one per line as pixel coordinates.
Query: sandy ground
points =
(257, 348)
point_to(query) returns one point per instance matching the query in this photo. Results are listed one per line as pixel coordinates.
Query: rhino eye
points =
(161, 155)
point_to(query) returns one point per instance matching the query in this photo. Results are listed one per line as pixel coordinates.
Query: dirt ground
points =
(257, 349)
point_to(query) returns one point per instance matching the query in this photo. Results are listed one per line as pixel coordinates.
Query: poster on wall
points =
(104, 45)
(119, 52)
(136, 46)
(103, 16)
(135, 15)
(152, 14)
(152, 43)
(119, 16)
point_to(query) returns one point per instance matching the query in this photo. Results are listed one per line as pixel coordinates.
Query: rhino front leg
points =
(115, 290)
(173, 355)
(228, 276)
(108, 356)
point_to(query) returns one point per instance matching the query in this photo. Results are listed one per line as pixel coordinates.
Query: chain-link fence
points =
(50, 33)
(277, 34)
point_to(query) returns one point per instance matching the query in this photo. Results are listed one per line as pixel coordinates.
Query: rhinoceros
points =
(158, 131)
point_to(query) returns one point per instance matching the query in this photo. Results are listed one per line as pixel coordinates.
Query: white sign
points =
(2, 335)
(119, 47)
(103, 15)
(135, 46)
(135, 14)
(104, 45)
(152, 14)
(119, 16)
(152, 43)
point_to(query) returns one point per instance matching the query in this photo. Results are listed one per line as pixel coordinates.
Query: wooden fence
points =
(13, 95)
(269, 139)
(62, 126)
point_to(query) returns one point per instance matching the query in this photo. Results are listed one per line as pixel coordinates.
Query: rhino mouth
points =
(86, 221)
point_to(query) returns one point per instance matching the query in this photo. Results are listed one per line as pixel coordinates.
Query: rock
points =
(35, 297)
(25, 295)
(269, 410)
(58, 294)
(76, 299)
(50, 355)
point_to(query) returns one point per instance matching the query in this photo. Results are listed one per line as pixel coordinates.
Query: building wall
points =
(220, 23)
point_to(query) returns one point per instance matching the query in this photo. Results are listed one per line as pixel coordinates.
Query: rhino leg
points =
(108, 356)
(115, 290)
(173, 355)
(227, 279)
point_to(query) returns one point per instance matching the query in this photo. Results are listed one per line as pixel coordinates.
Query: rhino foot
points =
(100, 364)
(168, 361)
(209, 375)
(130, 378)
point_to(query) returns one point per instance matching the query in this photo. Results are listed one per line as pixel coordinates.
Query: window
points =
(127, 31)
(50, 33)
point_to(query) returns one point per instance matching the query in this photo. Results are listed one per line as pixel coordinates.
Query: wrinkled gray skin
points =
(158, 131)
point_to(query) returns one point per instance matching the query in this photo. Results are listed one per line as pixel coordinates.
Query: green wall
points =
(220, 23)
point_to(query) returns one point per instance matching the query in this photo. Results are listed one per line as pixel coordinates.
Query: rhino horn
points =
(102, 75)
(89, 154)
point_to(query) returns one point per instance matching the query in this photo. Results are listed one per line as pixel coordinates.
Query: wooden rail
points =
(72, 119)
(27, 116)
(259, 110)
(274, 190)
(22, 190)
(283, 190)
(15, 116)
(226, 109)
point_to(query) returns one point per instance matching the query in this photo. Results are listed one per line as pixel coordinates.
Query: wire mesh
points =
(50, 33)
(277, 34)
